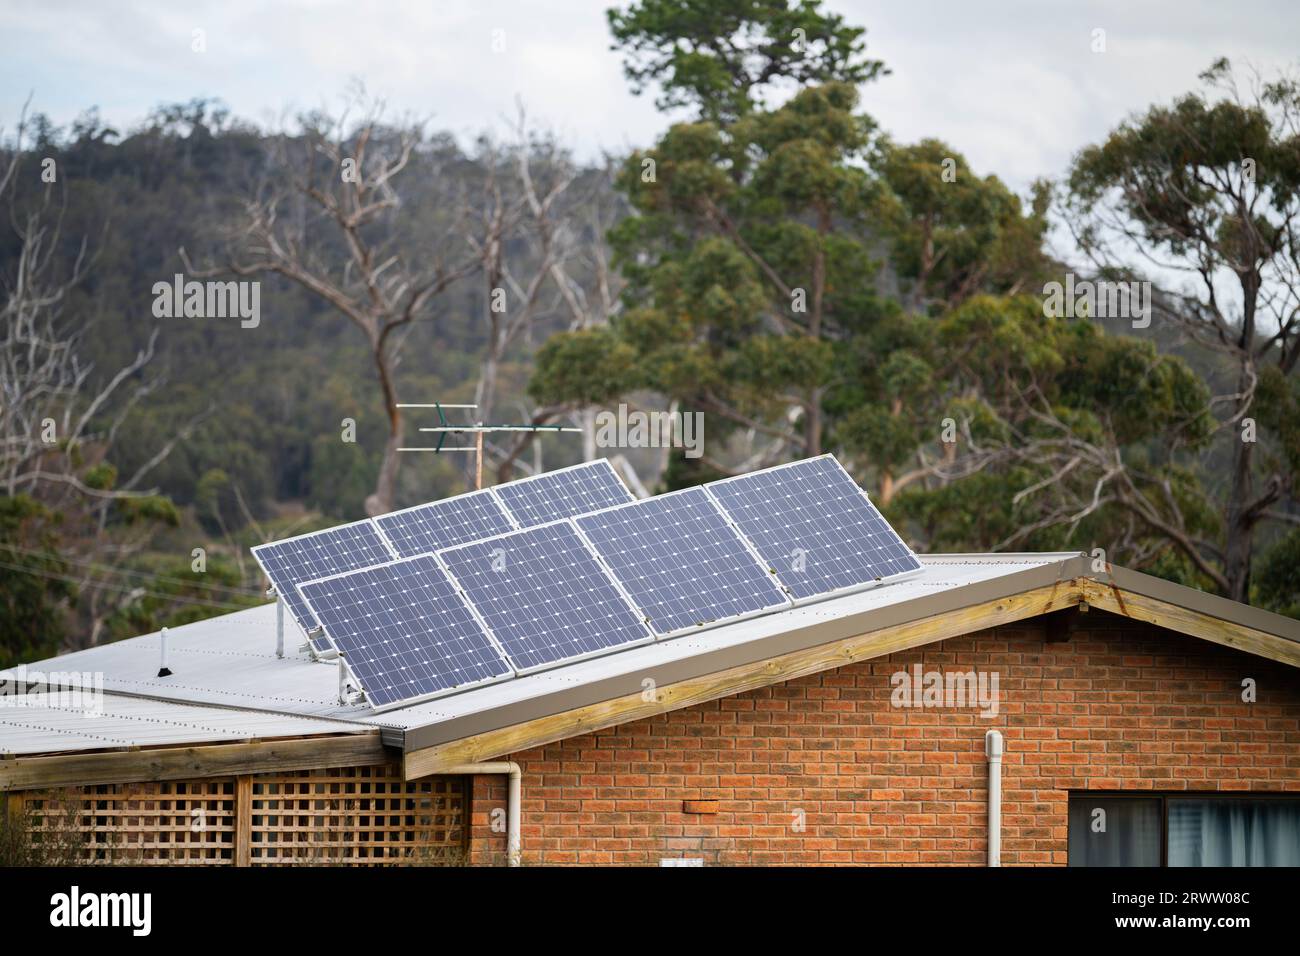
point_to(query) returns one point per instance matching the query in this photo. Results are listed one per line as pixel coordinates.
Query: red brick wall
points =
(1121, 705)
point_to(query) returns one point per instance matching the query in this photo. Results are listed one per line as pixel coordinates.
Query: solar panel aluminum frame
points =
(310, 644)
(838, 592)
(495, 489)
(649, 637)
(435, 695)
(490, 492)
(695, 628)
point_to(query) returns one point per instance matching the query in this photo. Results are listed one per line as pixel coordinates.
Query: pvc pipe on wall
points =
(514, 798)
(993, 747)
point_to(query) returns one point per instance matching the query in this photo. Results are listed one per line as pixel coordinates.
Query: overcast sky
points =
(1013, 84)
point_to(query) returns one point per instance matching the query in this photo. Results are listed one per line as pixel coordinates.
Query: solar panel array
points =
(441, 524)
(404, 631)
(814, 527)
(549, 570)
(563, 494)
(681, 561)
(544, 595)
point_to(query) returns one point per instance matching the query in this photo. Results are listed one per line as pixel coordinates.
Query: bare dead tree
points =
(329, 218)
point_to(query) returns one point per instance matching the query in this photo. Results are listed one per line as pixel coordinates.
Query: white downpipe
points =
(993, 751)
(514, 794)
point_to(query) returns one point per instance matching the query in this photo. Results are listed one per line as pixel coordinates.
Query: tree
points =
(1208, 191)
(721, 56)
(1060, 436)
(952, 233)
(754, 290)
(329, 217)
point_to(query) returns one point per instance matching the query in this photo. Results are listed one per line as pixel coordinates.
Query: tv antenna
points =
(478, 430)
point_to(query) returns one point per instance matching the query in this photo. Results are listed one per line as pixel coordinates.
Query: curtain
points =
(1234, 832)
(1114, 831)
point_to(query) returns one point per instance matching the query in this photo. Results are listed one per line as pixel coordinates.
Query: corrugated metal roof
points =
(47, 724)
(228, 664)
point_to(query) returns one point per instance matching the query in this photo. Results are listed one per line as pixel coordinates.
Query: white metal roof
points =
(228, 665)
(32, 725)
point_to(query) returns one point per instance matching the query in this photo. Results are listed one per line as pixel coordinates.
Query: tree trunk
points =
(385, 493)
(1240, 525)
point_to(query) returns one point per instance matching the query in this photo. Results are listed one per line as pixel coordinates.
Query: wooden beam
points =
(182, 763)
(736, 680)
(1139, 607)
(243, 820)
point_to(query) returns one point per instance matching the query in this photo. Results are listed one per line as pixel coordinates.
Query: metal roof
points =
(47, 724)
(228, 665)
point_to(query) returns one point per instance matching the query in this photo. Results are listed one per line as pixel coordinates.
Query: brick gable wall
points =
(1119, 706)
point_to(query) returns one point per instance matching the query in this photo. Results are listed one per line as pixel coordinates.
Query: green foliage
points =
(35, 584)
(952, 233)
(174, 594)
(1278, 581)
(720, 56)
(591, 366)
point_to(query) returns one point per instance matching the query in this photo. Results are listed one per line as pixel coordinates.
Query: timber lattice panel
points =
(344, 816)
(172, 821)
(357, 816)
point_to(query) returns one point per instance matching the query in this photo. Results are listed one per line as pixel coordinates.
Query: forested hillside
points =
(777, 262)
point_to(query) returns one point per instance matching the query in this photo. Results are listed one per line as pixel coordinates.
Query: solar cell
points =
(405, 631)
(440, 524)
(319, 554)
(814, 527)
(544, 596)
(681, 562)
(562, 494)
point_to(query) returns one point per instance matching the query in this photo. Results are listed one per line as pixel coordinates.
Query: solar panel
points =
(544, 596)
(564, 493)
(681, 561)
(814, 527)
(404, 631)
(308, 557)
(441, 524)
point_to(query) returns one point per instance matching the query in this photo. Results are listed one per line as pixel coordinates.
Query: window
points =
(1185, 829)
(1115, 831)
(1207, 832)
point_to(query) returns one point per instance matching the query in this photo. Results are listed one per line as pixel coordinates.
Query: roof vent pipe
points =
(163, 669)
(279, 626)
(993, 751)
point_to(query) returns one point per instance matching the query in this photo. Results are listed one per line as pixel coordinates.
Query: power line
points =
(218, 605)
(110, 569)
